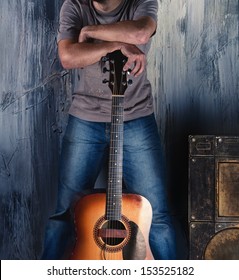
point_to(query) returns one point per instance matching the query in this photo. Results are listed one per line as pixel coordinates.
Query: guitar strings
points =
(119, 131)
(116, 131)
(111, 224)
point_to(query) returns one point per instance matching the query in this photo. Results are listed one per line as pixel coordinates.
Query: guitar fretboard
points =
(114, 191)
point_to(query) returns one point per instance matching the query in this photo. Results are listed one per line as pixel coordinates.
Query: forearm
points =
(135, 32)
(78, 55)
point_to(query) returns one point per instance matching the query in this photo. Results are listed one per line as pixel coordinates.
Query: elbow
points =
(142, 36)
(66, 66)
(66, 61)
(145, 28)
(65, 53)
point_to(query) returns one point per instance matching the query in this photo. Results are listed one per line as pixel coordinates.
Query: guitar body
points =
(101, 239)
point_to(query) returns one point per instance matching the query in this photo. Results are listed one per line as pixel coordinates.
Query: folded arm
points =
(124, 36)
(135, 32)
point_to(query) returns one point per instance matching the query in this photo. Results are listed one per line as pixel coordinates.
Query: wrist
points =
(88, 31)
(113, 46)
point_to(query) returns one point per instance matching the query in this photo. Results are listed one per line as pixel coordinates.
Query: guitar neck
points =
(117, 85)
(114, 190)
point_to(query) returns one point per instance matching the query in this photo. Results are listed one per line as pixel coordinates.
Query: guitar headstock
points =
(117, 77)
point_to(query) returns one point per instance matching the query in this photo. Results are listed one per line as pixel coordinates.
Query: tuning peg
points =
(105, 70)
(130, 82)
(105, 81)
(129, 71)
(104, 58)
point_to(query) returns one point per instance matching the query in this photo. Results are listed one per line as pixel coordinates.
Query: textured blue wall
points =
(194, 70)
(32, 116)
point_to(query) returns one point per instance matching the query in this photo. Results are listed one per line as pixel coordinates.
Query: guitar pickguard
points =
(135, 249)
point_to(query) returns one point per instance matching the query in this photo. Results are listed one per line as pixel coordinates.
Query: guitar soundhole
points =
(112, 235)
(115, 232)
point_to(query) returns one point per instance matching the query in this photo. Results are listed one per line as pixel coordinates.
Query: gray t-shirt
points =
(92, 98)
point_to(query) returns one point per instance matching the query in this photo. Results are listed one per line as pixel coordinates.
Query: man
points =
(88, 31)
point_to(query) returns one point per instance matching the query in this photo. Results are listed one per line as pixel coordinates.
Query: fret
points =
(112, 166)
(116, 97)
(114, 187)
(115, 162)
(117, 124)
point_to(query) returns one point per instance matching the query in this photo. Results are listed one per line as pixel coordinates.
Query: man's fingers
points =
(136, 64)
(137, 68)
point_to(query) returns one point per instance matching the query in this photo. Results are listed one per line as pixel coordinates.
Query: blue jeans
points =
(84, 148)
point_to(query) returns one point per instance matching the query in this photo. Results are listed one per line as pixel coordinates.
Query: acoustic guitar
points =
(113, 225)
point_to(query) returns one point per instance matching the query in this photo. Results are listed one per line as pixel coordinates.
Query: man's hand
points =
(136, 59)
(83, 35)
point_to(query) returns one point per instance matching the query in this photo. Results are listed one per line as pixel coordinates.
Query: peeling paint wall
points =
(196, 51)
(32, 116)
(194, 70)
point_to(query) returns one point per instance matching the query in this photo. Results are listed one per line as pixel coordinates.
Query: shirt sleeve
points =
(70, 22)
(146, 8)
